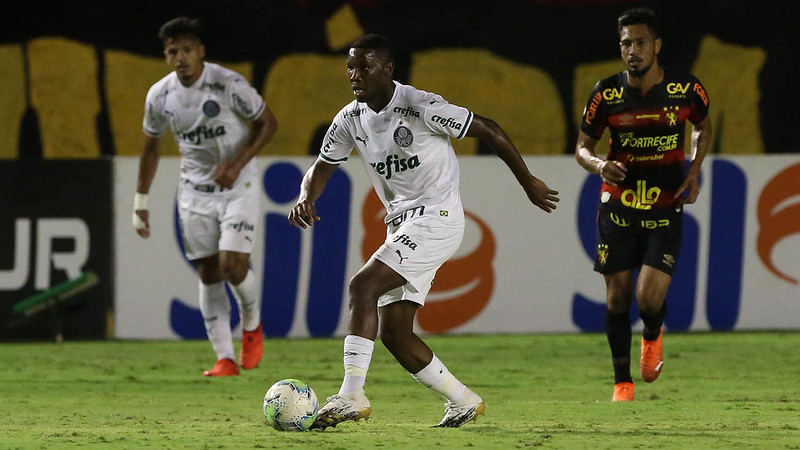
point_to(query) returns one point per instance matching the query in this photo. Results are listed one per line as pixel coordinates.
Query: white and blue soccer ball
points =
(290, 405)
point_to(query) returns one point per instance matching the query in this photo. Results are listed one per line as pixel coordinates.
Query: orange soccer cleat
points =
(652, 360)
(252, 348)
(623, 392)
(223, 368)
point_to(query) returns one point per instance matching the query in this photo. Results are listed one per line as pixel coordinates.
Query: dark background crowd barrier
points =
(56, 223)
(555, 36)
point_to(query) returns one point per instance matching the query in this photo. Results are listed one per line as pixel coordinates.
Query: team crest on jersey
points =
(602, 253)
(669, 260)
(403, 136)
(671, 115)
(211, 108)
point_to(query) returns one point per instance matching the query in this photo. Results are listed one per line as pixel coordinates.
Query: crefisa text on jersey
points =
(395, 164)
(447, 121)
(406, 111)
(203, 132)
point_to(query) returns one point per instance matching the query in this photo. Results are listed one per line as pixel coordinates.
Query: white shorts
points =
(212, 223)
(416, 249)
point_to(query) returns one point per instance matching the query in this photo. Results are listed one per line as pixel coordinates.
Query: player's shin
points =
(216, 311)
(249, 301)
(618, 332)
(653, 323)
(357, 357)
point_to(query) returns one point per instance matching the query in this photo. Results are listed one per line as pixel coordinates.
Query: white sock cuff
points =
(248, 280)
(358, 351)
(249, 301)
(431, 369)
(359, 343)
(436, 376)
(212, 290)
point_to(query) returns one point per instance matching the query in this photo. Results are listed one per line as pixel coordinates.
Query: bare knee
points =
(362, 291)
(208, 270)
(651, 290)
(233, 273)
(233, 266)
(649, 301)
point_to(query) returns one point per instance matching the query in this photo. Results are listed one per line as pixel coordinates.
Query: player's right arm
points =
(304, 214)
(593, 123)
(488, 131)
(336, 148)
(154, 125)
(148, 164)
(612, 172)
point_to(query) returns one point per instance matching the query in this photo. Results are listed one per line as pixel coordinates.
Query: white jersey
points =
(406, 150)
(208, 121)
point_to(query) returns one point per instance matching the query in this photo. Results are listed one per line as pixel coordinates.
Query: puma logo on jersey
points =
(401, 256)
(395, 164)
(203, 132)
(364, 140)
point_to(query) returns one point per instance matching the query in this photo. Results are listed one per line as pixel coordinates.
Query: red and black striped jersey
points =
(647, 135)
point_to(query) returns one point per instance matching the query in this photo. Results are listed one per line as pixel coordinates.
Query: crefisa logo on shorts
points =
(406, 240)
(241, 226)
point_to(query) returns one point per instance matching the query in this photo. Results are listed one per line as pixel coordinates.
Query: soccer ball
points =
(290, 405)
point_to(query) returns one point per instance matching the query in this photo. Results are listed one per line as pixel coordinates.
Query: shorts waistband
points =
(207, 188)
(401, 217)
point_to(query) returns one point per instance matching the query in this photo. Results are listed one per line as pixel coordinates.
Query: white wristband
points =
(600, 166)
(139, 201)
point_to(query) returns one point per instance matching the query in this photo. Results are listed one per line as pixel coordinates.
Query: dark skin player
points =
(370, 73)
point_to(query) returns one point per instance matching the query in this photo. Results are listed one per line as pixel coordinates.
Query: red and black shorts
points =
(628, 242)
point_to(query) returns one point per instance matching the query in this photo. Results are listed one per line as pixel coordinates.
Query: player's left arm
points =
(700, 143)
(261, 131)
(496, 138)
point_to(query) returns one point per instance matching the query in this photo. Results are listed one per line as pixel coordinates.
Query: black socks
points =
(618, 331)
(652, 324)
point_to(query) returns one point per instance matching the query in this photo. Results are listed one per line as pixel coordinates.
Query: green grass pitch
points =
(717, 390)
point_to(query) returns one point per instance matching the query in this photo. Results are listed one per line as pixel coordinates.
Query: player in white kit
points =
(403, 136)
(208, 108)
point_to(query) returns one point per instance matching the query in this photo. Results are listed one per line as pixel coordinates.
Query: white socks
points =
(436, 376)
(216, 310)
(357, 356)
(246, 294)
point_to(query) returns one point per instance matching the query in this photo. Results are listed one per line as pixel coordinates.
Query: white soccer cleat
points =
(465, 409)
(343, 407)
